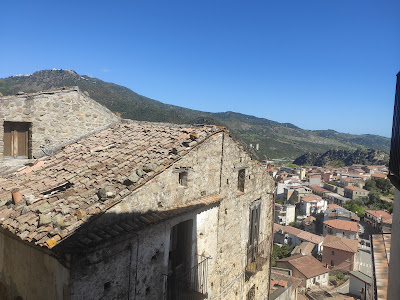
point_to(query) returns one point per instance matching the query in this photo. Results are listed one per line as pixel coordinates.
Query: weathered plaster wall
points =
(29, 273)
(56, 117)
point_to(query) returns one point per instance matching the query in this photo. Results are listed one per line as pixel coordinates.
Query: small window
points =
(16, 139)
(332, 263)
(183, 178)
(333, 252)
(241, 179)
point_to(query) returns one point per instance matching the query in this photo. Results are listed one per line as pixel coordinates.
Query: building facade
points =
(138, 210)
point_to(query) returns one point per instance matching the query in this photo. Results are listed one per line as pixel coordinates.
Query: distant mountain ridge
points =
(274, 139)
(339, 158)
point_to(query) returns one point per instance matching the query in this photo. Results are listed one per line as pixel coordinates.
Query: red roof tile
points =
(342, 225)
(339, 243)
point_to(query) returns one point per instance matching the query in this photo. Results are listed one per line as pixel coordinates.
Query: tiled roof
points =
(342, 225)
(311, 198)
(318, 188)
(379, 213)
(301, 234)
(308, 265)
(352, 188)
(381, 259)
(277, 284)
(339, 243)
(333, 206)
(90, 176)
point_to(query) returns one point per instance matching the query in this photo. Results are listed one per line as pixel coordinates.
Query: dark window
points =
(16, 139)
(333, 252)
(241, 179)
(183, 178)
(332, 263)
(180, 248)
(253, 232)
(251, 295)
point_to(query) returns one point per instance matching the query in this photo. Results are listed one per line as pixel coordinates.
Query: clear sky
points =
(316, 64)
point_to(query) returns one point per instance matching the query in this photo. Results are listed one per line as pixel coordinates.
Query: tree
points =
(355, 208)
(370, 185)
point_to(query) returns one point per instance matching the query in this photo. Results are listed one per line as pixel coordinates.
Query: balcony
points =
(190, 286)
(257, 256)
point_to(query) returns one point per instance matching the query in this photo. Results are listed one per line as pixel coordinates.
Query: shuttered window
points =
(16, 139)
(254, 232)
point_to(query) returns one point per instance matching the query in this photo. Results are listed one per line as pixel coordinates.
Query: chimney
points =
(16, 195)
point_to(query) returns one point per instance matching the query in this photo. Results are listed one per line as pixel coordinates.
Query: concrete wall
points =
(29, 273)
(356, 285)
(56, 117)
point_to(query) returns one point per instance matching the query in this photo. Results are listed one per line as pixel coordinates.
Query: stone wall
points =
(135, 265)
(56, 117)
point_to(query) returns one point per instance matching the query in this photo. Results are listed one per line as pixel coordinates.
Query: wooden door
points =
(16, 137)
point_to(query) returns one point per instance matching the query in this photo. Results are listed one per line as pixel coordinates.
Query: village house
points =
(294, 193)
(307, 268)
(318, 190)
(293, 236)
(129, 210)
(284, 213)
(341, 228)
(340, 253)
(305, 248)
(354, 192)
(335, 212)
(334, 198)
(312, 204)
(283, 286)
(309, 224)
(380, 220)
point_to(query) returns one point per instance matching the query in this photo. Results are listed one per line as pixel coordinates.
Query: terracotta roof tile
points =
(308, 265)
(339, 243)
(342, 225)
(70, 180)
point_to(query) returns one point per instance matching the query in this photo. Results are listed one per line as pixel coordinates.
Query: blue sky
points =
(316, 64)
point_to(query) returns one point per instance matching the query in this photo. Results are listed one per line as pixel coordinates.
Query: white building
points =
(312, 204)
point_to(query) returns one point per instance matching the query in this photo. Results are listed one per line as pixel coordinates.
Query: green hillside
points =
(275, 140)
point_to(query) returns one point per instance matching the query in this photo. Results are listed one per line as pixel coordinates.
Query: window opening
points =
(16, 139)
(241, 180)
(180, 248)
(183, 178)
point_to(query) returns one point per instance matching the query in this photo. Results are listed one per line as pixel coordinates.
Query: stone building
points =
(137, 210)
(36, 124)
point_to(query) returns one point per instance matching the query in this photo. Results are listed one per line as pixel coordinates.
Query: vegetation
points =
(356, 207)
(276, 140)
(333, 183)
(346, 157)
(336, 278)
(382, 186)
(280, 252)
(297, 224)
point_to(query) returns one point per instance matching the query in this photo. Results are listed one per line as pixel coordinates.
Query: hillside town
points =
(332, 230)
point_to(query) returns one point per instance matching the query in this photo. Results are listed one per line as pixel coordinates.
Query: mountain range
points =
(269, 139)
